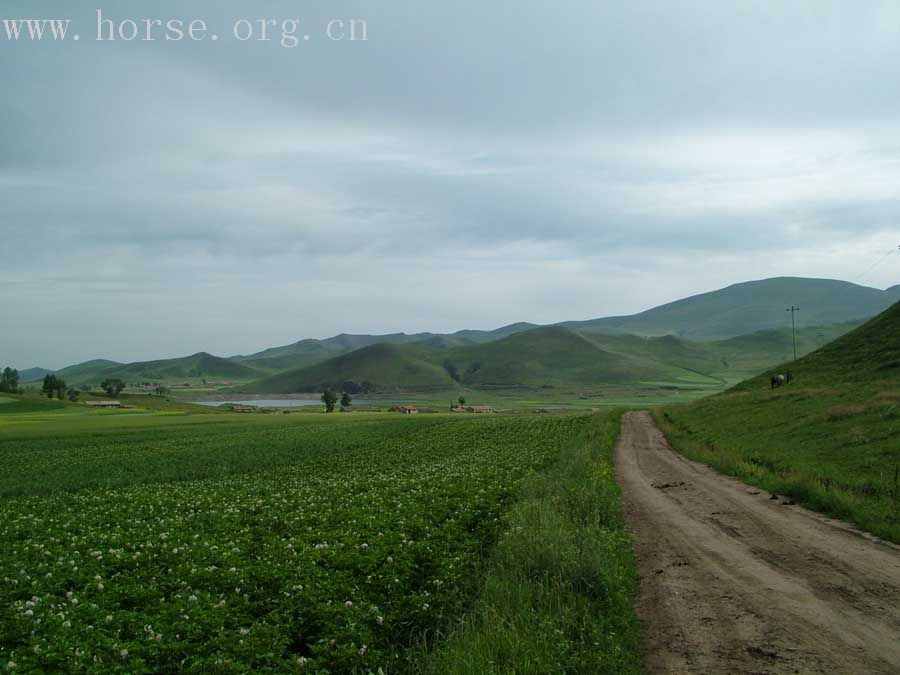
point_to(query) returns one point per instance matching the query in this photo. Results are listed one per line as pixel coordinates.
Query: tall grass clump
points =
(558, 588)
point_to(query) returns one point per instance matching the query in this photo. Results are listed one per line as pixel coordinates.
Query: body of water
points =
(286, 402)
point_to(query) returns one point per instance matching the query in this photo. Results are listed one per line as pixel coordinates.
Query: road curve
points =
(735, 582)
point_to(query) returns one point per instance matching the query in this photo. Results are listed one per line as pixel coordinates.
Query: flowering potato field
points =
(225, 545)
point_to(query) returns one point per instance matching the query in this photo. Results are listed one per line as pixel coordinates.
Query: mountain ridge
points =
(739, 309)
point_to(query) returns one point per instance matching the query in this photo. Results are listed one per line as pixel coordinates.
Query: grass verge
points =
(833, 451)
(557, 594)
(830, 439)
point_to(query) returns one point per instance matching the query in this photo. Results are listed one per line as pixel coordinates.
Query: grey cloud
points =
(470, 165)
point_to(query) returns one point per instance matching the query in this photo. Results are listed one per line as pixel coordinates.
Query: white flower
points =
(11, 665)
(380, 620)
(348, 604)
(123, 653)
(193, 598)
(362, 650)
(426, 606)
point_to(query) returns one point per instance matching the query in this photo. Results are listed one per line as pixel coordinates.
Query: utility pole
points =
(793, 328)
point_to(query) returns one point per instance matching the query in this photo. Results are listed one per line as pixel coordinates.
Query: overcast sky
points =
(472, 164)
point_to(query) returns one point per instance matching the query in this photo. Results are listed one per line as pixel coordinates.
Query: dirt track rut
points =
(735, 582)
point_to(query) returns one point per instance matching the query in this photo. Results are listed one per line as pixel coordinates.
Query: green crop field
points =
(831, 439)
(164, 541)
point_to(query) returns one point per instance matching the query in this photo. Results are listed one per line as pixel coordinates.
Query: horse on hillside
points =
(778, 381)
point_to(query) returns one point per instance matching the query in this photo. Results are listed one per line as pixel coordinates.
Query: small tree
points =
(162, 391)
(61, 389)
(113, 386)
(462, 401)
(346, 400)
(50, 386)
(73, 395)
(329, 398)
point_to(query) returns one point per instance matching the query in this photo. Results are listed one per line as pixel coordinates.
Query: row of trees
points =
(9, 381)
(56, 386)
(330, 398)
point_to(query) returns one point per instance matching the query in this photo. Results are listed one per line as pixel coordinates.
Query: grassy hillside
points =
(33, 374)
(545, 359)
(380, 367)
(752, 306)
(89, 369)
(201, 365)
(737, 310)
(309, 352)
(194, 367)
(830, 440)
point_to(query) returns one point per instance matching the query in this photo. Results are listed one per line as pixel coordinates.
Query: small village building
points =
(405, 409)
(473, 409)
(239, 408)
(104, 404)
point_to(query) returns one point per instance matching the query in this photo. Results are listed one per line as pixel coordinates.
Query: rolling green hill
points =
(752, 306)
(830, 439)
(543, 357)
(308, 352)
(194, 367)
(540, 357)
(379, 367)
(33, 374)
(200, 365)
(739, 310)
(547, 358)
(86, 370)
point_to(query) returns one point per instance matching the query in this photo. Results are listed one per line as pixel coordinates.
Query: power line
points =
(876, 264)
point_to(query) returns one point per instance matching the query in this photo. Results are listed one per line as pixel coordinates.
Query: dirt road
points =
(735, 582)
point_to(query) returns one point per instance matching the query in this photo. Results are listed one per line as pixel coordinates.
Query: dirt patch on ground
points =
(734, 579)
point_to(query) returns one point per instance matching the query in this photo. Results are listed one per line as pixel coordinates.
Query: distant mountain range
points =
(528, 355)
(752, 306)
(549, 358)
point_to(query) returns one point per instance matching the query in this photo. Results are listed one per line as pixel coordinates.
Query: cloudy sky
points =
(471, 164)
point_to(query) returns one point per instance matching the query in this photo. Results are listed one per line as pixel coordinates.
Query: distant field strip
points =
(224, 544)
